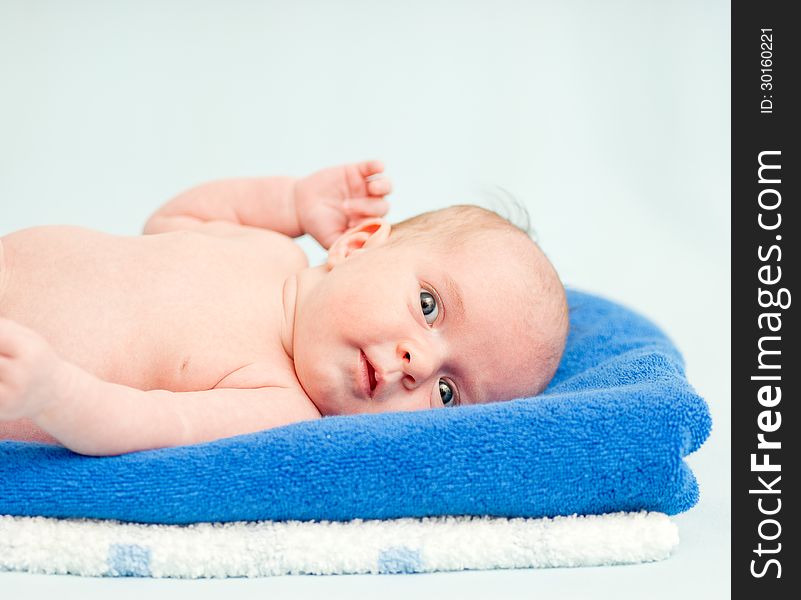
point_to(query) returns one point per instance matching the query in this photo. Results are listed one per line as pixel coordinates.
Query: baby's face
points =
(396, 328)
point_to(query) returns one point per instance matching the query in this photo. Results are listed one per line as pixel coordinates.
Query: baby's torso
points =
(179, 311)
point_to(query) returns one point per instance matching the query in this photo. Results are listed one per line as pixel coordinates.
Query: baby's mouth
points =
(370, 383)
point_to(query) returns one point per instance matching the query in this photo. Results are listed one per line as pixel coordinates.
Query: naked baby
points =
(212, 324)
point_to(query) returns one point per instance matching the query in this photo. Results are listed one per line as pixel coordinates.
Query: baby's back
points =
(176, 311)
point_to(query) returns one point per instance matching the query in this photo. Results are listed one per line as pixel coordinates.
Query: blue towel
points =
(607, 435)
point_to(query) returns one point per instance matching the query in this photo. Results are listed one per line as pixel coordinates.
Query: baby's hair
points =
(454, 224)
(505, 213)
(508, 207)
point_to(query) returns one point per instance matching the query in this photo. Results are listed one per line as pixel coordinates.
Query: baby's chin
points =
(331, 403)
(338, 404)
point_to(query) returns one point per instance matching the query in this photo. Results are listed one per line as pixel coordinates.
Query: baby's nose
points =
(419, 361)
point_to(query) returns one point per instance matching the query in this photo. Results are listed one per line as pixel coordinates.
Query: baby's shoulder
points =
(276, 247)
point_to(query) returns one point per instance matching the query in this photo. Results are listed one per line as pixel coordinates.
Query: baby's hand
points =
(28, 366)
(331, 201)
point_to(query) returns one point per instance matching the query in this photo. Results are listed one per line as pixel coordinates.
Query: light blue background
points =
(608, 120)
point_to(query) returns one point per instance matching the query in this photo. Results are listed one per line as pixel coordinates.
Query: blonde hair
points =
(453, 224)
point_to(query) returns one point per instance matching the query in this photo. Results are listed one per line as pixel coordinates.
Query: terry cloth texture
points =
(114, 549)
(608, 435)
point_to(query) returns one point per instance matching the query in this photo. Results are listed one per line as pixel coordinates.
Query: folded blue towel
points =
(608, 435)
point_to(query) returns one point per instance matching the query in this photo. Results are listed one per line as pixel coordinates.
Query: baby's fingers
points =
(379, 187)
(9, 337)
(17, 340)
(370, 167)
(358, 208)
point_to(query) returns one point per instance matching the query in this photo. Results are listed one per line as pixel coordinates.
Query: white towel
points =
(256, 549)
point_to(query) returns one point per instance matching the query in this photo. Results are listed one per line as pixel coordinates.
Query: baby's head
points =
(454, 306)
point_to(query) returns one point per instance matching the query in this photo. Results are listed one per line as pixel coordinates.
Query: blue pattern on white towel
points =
(399, 559)
(128, 560)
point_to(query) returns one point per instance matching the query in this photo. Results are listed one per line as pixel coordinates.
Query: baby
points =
(213, 324)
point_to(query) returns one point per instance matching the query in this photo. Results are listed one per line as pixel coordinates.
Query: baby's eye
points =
(429, 305)
(446, 393)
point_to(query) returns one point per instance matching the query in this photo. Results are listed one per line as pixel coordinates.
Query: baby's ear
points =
(370, 233)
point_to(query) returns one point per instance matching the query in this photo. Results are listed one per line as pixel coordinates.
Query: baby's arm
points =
(264, 202)
(324, 204)
(99, 418)
(94, 417)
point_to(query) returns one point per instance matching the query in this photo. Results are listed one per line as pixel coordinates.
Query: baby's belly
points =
(175, 311)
